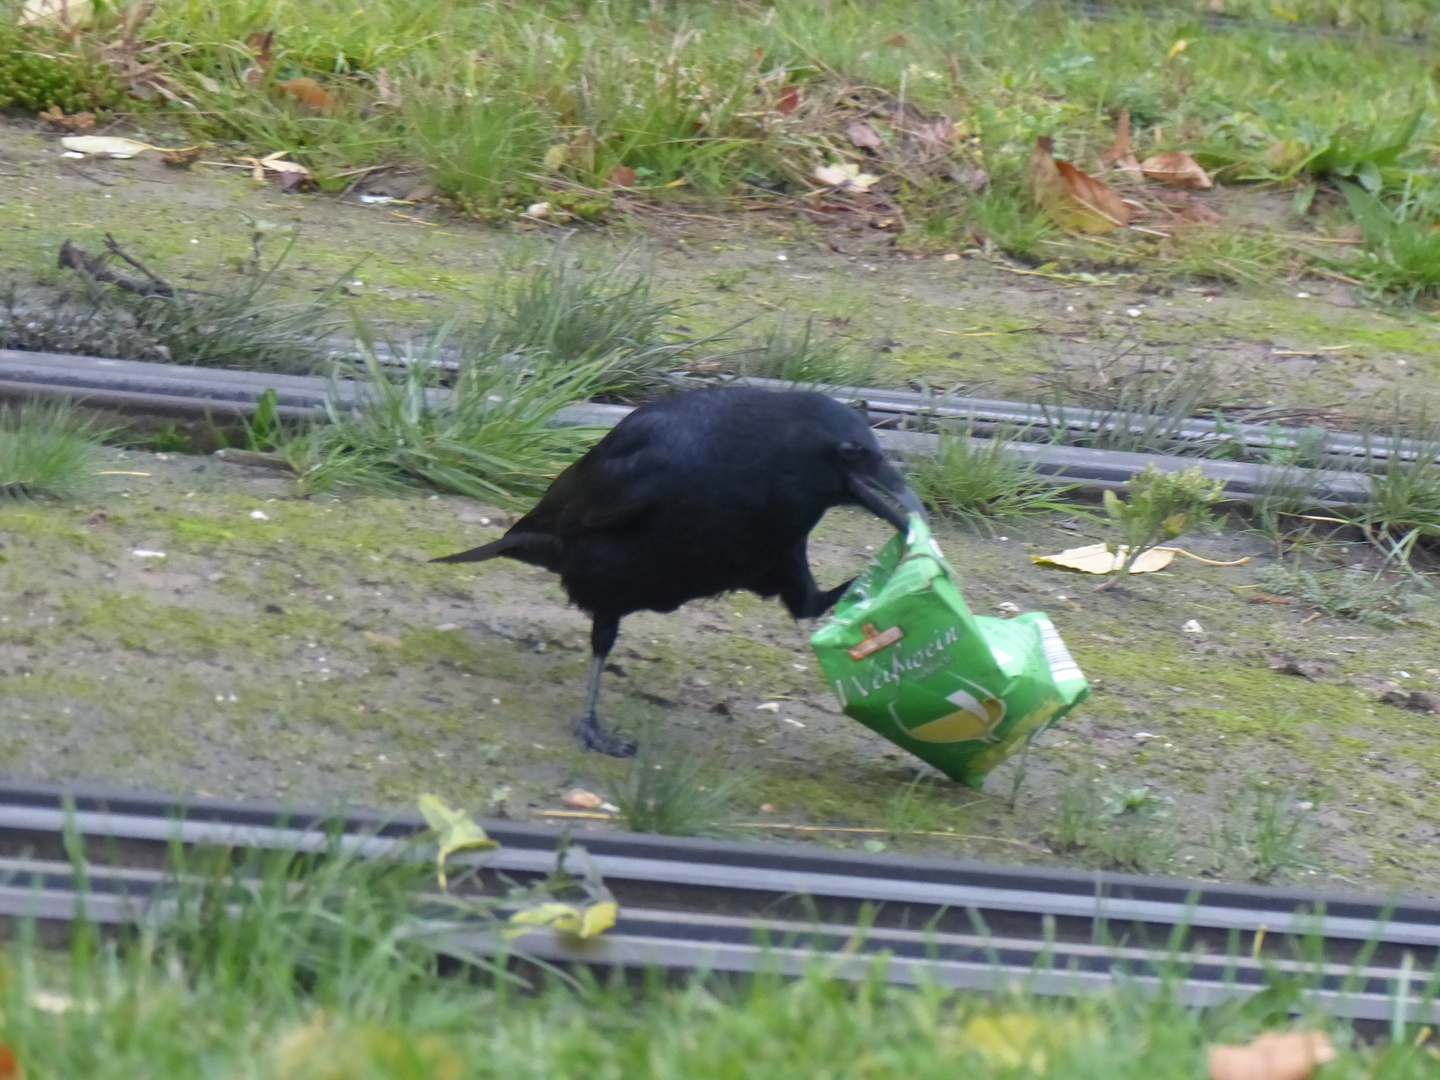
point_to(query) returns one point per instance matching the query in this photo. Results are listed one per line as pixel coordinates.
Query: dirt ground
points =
(312, 654)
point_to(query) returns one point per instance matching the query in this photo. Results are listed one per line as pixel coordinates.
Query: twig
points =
(94, 266)
(161, 286)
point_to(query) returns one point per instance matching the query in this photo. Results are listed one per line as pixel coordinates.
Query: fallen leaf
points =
(789, 100)
(897, 41)
(1119, 155)
(623, 176)
(454, 831)
(182, 159)
(863, 135)
(581, 799)
(1290, 1055)
(56, 118)
(262, 46)
(583, 922)
(937, 137)
(1178, 168)
(846, 176)
(1074, 200)
(1095, 559)
(310, 94)
(112, 145)
(10, 1064)
(388, 641)
(1176, 49)
(1187, 207)
(969, 174)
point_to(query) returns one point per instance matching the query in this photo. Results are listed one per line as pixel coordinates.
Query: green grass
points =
(980, 482)
(46, 451)
(327, 967)
(668, 790)
(508, 102)
(800, 355)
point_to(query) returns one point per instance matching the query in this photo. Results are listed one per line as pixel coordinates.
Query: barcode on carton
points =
(1062, 664)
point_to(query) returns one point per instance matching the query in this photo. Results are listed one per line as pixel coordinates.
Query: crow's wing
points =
(622, 477)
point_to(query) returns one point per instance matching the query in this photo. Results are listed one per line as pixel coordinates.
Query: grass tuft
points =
(670, 791)
(46, 451)
(980, 482)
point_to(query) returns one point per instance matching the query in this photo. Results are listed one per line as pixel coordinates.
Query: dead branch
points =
(95, 267)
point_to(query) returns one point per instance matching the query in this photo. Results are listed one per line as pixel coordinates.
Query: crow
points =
(698, 494)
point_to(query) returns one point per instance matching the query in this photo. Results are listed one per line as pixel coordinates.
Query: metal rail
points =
(171, 390)
(719, 906)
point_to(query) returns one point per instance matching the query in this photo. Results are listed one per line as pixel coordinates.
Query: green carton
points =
(907, 659)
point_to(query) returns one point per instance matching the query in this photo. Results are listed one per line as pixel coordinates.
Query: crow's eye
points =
(850, 451)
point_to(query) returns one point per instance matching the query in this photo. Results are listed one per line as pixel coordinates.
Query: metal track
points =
(697, 905)
(171, 390)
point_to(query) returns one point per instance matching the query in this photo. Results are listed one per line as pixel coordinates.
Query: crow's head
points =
(861, 471)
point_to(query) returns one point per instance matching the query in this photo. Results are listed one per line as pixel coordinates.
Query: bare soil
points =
(312, 654)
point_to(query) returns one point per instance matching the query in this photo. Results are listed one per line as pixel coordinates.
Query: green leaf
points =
(454, 831)
(1113, 506)
(1304, 196)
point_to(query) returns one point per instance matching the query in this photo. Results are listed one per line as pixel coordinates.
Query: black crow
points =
(698, 494)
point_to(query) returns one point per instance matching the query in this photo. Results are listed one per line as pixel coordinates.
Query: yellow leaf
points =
(1176, 49)
(566, 918)
(454, 831)
(1178, 168)
(1095, 559)
(1008, 1041)
(111, 145)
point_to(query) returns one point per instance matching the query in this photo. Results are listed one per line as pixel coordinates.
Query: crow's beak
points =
(887, 497)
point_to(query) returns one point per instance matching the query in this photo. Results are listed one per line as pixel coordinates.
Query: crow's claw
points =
(590, 734)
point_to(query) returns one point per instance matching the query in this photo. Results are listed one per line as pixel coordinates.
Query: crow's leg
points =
(799, 593)
(603, 630)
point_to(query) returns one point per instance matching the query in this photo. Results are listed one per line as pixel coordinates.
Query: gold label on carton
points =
(875, 640)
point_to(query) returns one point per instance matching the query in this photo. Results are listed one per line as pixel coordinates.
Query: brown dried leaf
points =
(581, 799)
(1073, 199)
(622, 176)
(309, 94)
(1289, 1055)
(10, 1064)
(897, 41)
(789, 100)
(863, 135)
(969, 174)
(1120, 156)
(1188, 208)
(1178, 168)
(182, 159)
(936, 137)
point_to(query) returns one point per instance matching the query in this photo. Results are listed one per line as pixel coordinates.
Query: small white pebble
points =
(194, 241)
(790, 720)
(1144, 735)
(782, 258)
(259, 515)
(769, 706)
(1302, 296)
(1307, 805)
(141, 553)
(484, 521)
(1062, 598)
(1133, 312)
(1193, 627)
(800, 667)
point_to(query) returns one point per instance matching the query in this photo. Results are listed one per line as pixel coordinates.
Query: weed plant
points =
(488, 433)
(1162, 506)
(670, 791)
(1264, 834)
(802, 357)
(1346, 593)
(982, 481)
(47, 450)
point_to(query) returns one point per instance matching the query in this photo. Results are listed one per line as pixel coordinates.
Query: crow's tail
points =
(527, 547)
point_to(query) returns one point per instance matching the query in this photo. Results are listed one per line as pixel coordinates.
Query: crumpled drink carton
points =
(907, 659)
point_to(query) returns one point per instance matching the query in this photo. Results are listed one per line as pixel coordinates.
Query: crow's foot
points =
(590, 734)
